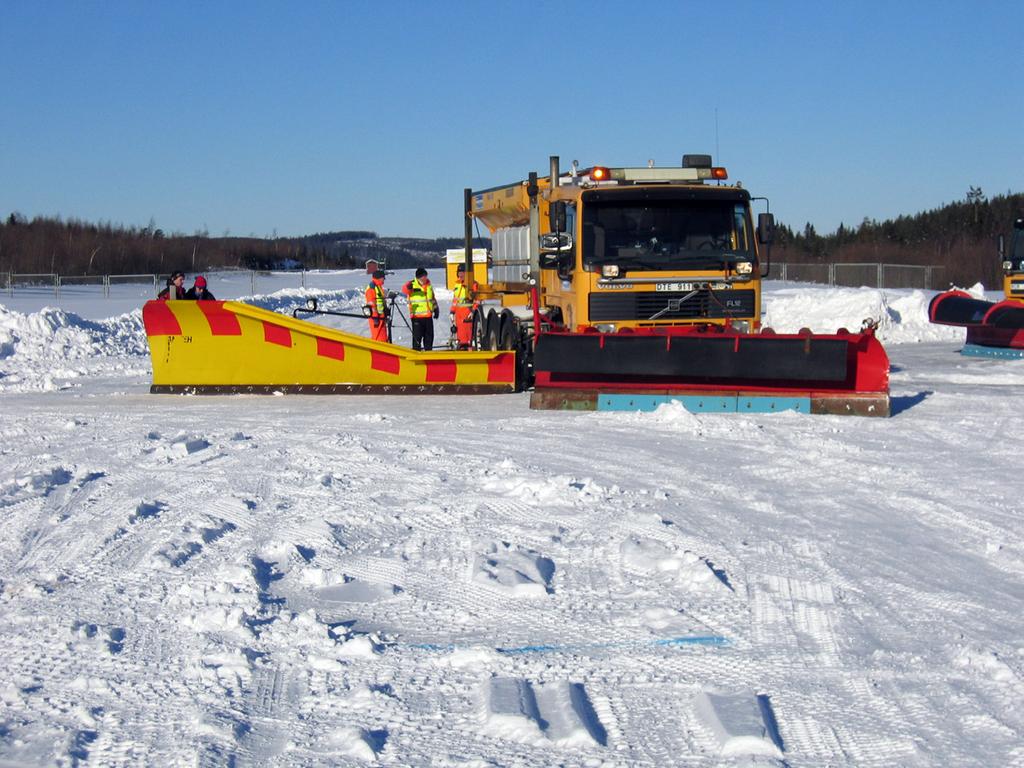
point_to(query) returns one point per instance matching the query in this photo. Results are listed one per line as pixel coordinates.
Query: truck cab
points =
(626, 248)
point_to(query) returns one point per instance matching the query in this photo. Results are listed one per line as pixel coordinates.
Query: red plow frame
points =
(708, 368)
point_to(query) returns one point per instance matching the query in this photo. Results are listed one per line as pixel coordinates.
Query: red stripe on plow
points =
(382, 361)
(222, 322)
(159, 319)
(276, 334)
(441, 370)
(502, 369)
(330, 348)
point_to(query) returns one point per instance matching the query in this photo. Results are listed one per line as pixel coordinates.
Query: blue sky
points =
(267, 117)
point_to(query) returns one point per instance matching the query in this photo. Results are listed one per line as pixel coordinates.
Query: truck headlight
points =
(605, 327)
(610, 270)
(1007, 266)
(744, 267)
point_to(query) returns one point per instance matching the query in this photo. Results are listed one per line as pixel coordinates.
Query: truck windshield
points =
(665, 234)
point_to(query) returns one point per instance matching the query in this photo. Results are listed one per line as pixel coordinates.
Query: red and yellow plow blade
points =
(228, 346)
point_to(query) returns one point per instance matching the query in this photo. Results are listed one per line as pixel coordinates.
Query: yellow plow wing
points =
(227, 346)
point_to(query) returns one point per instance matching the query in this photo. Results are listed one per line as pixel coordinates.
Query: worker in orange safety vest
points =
(376, 301)
(461, 312)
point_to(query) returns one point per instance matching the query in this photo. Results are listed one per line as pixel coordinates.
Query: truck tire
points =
(493, 331)
(509, 338)
(479, 331)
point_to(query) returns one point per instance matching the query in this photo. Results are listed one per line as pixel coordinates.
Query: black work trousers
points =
(423, 333)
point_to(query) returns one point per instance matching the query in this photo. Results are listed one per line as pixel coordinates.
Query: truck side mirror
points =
(555, 243)
(549, 261)
(561, 260)
(765, 228)
(556, 216)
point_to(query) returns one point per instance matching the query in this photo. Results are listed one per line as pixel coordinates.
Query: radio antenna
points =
(718, 157)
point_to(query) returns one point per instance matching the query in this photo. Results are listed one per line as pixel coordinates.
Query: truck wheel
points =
(479, 331)
(493, 331)
(509, 334)
(524, 356)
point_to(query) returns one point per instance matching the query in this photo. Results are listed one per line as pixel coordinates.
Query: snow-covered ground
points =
(465, 582)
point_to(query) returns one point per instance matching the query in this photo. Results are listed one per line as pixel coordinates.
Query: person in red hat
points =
(198, 291)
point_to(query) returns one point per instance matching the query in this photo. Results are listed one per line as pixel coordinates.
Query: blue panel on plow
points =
(705, 403)
(1006, 353)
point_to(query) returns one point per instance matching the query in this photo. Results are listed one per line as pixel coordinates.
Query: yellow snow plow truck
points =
(622, 288)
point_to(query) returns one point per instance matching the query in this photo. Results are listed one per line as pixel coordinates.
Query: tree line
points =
(51, 245)
(960, 237)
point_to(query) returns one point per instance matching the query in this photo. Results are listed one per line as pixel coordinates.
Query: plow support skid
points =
(994, 329)
(709, 371)
(227, 346)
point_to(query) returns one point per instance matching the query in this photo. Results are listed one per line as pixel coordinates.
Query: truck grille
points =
(609, 307)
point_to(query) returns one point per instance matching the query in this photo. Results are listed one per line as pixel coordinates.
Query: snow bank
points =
(902, 315)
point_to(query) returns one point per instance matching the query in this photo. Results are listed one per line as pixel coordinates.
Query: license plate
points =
(690, 286)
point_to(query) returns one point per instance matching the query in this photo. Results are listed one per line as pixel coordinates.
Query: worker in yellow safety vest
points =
(376, 302)
(423, 310)
(461, 312)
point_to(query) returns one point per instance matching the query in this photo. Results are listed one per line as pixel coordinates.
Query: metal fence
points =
(868, 275)
(62, 284)
(873, 275)
(57, 284)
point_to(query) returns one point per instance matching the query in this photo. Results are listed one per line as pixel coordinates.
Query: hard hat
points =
(200, 282)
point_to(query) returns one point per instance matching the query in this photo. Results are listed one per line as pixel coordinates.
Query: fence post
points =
(303, 277)
(880, 280)
(10, 284)
(927, 278)
(252, 275)
(832, 275)
(56, 286)
(106, 286)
